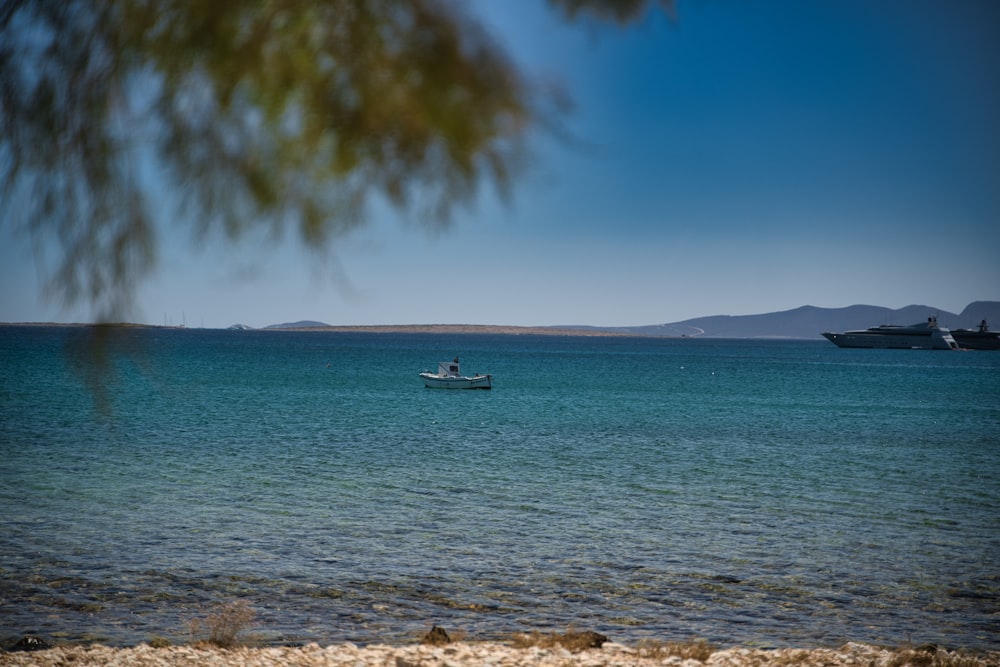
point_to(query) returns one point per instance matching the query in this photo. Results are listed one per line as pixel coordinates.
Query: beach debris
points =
(586, 639)
(572, 641)
(30, 643)
(436, 637)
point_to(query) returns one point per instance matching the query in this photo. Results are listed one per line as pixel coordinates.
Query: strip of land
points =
(459, 329)
(376, 328)
(469, 654)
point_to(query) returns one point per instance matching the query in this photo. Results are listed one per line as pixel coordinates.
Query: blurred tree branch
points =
(283, 114)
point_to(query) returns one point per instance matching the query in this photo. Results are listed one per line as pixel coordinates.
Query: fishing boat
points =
(449, 376)
(921, 336)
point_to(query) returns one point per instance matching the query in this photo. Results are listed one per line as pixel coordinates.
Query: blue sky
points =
(749, 156)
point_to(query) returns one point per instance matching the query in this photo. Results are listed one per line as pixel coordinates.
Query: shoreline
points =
(496, 654)
(494, 329)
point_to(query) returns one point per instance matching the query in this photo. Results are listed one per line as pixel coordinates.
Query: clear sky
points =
(749, 156)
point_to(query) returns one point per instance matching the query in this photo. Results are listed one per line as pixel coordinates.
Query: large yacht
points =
(921, 336)
(980, 339)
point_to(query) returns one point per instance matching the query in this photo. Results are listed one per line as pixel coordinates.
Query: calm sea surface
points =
(762, 493)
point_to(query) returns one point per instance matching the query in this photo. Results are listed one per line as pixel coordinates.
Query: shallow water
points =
(763, 493)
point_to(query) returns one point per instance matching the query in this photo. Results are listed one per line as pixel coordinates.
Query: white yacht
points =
(922, 336)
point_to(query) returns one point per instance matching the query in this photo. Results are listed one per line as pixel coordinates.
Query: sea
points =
(763, 493)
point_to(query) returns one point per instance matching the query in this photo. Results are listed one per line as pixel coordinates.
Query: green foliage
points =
(281, 115)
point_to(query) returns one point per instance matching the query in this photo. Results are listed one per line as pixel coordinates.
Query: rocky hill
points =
(301, 324)
(811, 322)
(803, 322)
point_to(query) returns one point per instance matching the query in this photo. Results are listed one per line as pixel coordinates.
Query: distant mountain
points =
(806, 322)
(811, 322)
(302, 324)
(976, 312)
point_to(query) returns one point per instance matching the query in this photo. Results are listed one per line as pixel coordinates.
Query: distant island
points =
(805, 322)
(809, 322)
(444, 329)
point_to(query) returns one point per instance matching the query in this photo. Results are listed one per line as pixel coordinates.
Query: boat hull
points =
(977, 340)
(434, 381)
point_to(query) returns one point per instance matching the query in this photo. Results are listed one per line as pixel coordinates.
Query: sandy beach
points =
(469, 654)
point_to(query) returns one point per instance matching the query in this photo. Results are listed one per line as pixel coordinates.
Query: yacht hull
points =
(931, 340)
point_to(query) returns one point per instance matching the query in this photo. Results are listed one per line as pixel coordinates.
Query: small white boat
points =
(449, 376)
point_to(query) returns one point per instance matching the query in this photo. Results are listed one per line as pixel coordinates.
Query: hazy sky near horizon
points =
(749, 156)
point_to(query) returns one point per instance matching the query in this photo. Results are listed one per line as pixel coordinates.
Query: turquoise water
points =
(761, 493)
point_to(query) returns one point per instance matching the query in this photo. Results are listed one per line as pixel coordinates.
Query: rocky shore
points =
(469, 654)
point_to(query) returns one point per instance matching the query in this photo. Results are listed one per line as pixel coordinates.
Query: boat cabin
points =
(449, 368)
